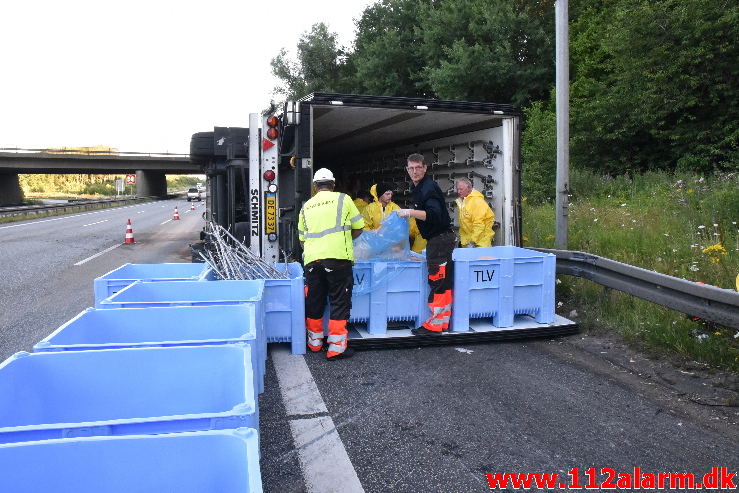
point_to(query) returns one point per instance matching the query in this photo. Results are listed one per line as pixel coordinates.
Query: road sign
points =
(130, 179)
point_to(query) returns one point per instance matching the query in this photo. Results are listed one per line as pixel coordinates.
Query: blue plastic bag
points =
(390, 242)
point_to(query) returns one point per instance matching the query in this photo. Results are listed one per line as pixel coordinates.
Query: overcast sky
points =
(145, 75)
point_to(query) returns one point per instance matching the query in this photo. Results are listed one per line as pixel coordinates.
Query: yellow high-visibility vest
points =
(325, 226)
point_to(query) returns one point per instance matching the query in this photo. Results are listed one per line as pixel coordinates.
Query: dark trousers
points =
(441, 278)
(439, 254)
(330, 278)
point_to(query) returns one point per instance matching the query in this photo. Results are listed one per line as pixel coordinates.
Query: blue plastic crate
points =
(115, 280)
(138, 391)
(284, 307)
(501, 282)
(118, 328)
(387, 291)
(146, 294)
(225, 460)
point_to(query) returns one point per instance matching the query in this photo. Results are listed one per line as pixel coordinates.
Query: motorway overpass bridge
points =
(150, 169)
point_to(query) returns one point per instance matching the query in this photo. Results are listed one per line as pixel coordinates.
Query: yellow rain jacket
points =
(475, 220)
(361, 204)
(418, 242)
(374, 212)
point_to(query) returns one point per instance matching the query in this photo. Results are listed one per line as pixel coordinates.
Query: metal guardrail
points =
(710, 303)
(75, 205)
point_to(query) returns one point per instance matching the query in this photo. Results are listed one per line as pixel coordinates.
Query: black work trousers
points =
(333, 278)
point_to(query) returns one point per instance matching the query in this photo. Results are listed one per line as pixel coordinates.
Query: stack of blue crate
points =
(154, 391)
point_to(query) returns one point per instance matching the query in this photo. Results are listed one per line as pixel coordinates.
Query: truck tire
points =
(201, 147)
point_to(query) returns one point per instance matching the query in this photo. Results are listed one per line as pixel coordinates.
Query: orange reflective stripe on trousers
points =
(441, 312)
(337, 337)
(314, 329)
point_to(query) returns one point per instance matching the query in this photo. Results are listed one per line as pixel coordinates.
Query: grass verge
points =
(677, 224)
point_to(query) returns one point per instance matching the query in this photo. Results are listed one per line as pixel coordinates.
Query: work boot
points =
(423, 331)
(348, 353)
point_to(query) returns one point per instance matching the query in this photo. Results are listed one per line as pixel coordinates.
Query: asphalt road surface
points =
(431, 419)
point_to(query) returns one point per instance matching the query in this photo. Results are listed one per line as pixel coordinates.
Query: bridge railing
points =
(90, 152)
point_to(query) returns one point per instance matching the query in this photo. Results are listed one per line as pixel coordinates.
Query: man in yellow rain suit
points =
(382, 206)
(475, 216)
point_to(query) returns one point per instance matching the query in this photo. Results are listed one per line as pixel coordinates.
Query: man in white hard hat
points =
(327, 224)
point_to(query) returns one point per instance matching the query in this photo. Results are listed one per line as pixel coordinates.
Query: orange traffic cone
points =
(176, 214)
(202, 202)
(192, 206)
(129, 233)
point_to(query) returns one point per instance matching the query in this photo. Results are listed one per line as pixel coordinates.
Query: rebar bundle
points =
(231, 260)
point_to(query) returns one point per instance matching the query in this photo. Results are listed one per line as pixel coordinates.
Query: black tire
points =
(202, 147)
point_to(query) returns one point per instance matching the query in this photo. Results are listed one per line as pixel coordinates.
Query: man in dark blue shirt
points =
(435, 225)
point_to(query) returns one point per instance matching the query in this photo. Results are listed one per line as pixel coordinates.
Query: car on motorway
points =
(192, 194)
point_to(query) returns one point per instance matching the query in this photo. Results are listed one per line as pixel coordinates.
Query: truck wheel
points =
(202, 147)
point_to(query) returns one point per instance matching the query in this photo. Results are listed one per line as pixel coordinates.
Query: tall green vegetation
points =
(655, 85)
(680, 224)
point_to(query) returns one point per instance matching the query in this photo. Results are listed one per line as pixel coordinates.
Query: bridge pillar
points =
(10, 189)
(151, 184)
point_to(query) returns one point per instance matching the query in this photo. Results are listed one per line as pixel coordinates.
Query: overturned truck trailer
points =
(259, 177)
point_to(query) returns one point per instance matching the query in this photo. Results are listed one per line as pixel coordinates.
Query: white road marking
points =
(326, 466)
(323, 458)
(299, 391)
(68, 216)
(165, 222)
(98, 254)
(92, 224)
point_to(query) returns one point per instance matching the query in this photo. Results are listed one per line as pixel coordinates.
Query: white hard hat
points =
(323, 174)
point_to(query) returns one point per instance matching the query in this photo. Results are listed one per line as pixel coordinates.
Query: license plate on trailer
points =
(270, 223)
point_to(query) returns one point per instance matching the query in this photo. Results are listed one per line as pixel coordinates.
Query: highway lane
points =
(47, 272)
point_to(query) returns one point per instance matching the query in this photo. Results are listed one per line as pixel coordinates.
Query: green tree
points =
(484, 50)
(655, 85)
(318, 65)
(387, 59)
(539, 153)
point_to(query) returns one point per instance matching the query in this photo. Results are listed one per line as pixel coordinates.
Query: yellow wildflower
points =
(715, 252)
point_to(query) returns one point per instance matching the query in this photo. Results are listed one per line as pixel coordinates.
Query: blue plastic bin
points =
(115, 280)
(501, 282)
(208, 461)
(146, 294)
(387, 291)
(118, 328)
(284, 307)
(138, 391)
